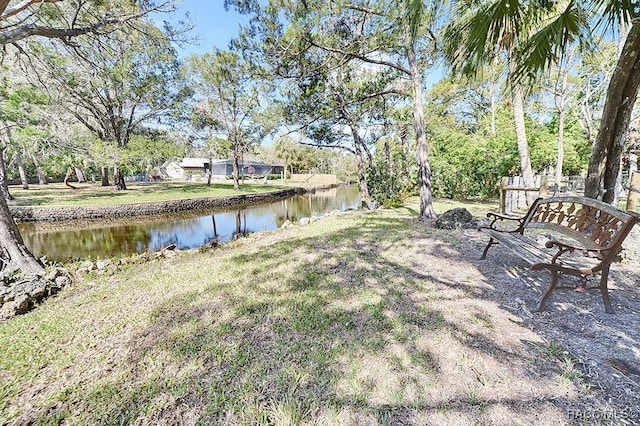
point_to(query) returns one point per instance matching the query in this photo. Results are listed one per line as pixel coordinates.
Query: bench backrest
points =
(585, 219)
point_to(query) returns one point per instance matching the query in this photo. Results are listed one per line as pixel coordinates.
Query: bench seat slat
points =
(533, 251)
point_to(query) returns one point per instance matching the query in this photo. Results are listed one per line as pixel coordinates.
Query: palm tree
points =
(286, 149)
(480, 32)
(571, 21)
(558, 24)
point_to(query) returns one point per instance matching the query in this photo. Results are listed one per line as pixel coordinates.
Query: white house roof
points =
(200, 162)
(193, 162)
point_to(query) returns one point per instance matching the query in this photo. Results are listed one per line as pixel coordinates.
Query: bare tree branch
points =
(7, 12)
(328, 146)
(362, 57)
(28, 30)
(26, 21)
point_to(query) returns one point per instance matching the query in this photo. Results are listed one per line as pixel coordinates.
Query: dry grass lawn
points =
(356, 319)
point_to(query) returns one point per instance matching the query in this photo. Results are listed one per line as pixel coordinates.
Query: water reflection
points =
(100, 239)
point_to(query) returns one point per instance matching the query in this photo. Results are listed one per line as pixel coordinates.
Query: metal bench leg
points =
(604, 290)
(552, 286)
(486, 249)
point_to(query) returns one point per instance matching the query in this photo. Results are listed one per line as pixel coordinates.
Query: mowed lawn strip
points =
(94, 194)
(360, 318)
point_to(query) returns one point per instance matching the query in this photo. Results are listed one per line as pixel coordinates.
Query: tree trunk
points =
(492, 96)
(14, 255)
(42, 178)
(4, 186)
(104, 172)
(21, 172)
(80, 175)
(236, 171)
(633, 156)
(67, 177)
(560, 158)
(422, 155)
(604, 163)
(389, 165)
(517, 100)
(367, 151)
(284, 174)
(365, 198)
(560, 104)
(494, 127)
(618, 185)
(118, 179)
(633, 166)
(210, 171)
(587, 125)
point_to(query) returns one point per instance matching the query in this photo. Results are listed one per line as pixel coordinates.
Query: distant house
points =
(223, 168)
(194, 165)
(171, 169)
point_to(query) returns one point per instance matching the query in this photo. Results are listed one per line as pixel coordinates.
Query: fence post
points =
(634, 188)
(520, 195)
(503, 195)
(544, 184)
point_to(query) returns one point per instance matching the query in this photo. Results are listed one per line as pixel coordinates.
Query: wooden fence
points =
(513, 192)
(315, 179)
(634, 191)
(514, 195)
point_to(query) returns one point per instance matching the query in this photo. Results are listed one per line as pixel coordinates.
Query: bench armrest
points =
(564, 248)
(497, 217)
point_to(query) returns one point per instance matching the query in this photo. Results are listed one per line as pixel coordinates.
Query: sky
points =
(213, 25)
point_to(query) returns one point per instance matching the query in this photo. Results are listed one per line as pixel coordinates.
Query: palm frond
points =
(413, 12)
(547, 45)
(480, 29)
(615, 12)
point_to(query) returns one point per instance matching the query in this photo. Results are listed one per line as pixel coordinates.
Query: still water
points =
(100, 239)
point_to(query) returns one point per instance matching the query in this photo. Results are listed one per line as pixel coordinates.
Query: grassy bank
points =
(361, 318)
(94, 194)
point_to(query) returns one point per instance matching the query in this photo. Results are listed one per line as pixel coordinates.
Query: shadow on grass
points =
(332, 330)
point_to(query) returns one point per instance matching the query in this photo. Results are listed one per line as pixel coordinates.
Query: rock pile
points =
(458, 218)
(21, 294)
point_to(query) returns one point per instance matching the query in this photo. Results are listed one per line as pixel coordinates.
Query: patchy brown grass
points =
(361, 318)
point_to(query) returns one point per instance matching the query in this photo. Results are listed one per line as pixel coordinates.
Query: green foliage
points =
(468, 160)
(228, 102)
(18, 104)
(383, 186)
(272, 176)
(144, 154)
(393, 176)
(219, 147)
(458, 161)
(577, 148)
(117, 85)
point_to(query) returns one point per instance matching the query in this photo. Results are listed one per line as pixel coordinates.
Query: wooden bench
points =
(565, 235)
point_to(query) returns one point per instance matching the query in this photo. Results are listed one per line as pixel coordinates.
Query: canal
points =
(60, 241)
